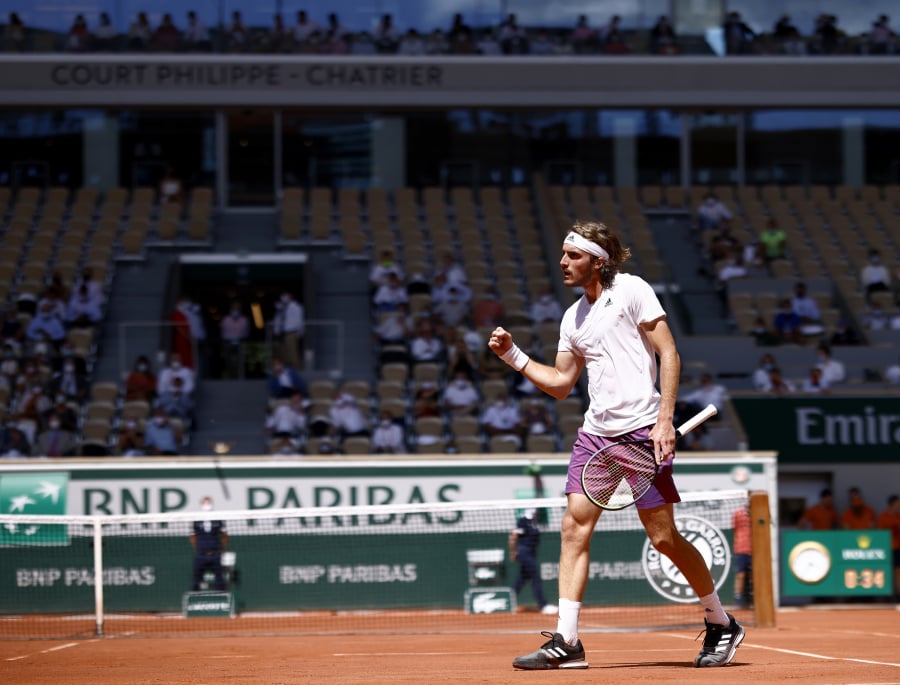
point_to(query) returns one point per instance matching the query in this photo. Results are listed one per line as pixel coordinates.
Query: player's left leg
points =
(723, 634)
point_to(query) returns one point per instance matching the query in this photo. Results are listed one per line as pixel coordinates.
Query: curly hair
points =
(606, 238)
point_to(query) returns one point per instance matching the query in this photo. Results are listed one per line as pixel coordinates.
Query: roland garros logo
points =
(665, 578)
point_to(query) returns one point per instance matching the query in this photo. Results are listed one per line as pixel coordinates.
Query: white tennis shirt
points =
(620, 360)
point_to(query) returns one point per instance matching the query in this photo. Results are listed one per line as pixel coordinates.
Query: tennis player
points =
(616, 329)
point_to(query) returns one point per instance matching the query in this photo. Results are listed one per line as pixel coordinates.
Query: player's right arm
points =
(557, 380)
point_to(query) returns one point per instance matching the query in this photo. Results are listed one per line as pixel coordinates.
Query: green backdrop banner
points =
(833, 429)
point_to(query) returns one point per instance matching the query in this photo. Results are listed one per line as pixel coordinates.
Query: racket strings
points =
(620, 474)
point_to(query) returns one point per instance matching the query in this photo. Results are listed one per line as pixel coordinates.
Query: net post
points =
(98, 576)
(763, 588)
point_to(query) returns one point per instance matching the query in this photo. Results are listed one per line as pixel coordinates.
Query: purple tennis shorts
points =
(663, 490)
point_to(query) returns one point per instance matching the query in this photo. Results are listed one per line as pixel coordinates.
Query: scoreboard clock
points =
(841, 563)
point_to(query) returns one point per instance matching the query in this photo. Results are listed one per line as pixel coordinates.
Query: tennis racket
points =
(620, 474)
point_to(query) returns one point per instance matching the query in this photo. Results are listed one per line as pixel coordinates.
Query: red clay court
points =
(834, 645)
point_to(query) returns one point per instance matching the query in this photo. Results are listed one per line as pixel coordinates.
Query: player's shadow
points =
(658, 664)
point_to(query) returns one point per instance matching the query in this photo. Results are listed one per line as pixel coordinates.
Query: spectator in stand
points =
(48, 323)
(388, 436)
(787, 35)
(612, 38)
(762, 333)
(14, 442)
(488, 44)
(426, 346)
(140, 384)
(881, 37)
(234, 329)
(165, 382)
(237, 37)
(53, 296)
(536, 419)
(808, 310)
(542, 44)
(774, 240)
(285, 381)
(875, 318)
(730, 268)
(889, 519)
(663, 40)
(9, 365)
(160, 436)
(461, 358)
(787, 324)
(278, 36)
(858, 515)
(11, 330)
(347, 417)
(874, 276)
(335, 26)
(739, 38)
(844, 334)
(827, 34)
(815, 382)
(892, 374)
(426, 401)
(167, 37)
(63, 411)
(512, 37)
(545, 308)
(459, 28)
(711, 212)
(832, 369)
(171, 189)
(131, 439)
(395, 327)
(822, 515)
(68, 382)
(176, 402)
(183, 331)
(289, 328)
(288, 420)
(502, 417)
(487, 309)
(417, 285)
(15, 36)
(55, 441)
(106, 36)
(754, 259)
(453, 307)
(140, 33)
(196, 35)
(707, 392)
(304, 28)
(79, 37)
(778, 384)
(387, 37)
(83, 311)
(30, 403)
(460, 396)
(412, 43)
(584, 37)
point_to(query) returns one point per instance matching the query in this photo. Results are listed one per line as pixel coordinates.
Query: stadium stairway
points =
(701, 311)
(230, 411)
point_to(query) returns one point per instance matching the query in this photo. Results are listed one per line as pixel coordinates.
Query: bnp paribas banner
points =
(153, 486)
(804, 429)
(30, 494)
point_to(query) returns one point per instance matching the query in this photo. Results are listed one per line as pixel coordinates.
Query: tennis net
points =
(431, 567)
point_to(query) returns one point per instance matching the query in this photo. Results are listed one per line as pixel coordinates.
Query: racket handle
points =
(708, 412)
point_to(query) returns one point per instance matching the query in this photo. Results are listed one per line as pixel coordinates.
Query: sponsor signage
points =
(498, 600)
(834, 429)
(207, 604)
(24, 494)
(842, 563)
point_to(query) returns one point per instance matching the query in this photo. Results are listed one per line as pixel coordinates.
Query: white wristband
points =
(515, 357)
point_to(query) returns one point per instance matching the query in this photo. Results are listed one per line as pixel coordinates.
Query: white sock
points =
(567, 623)
(713, 609)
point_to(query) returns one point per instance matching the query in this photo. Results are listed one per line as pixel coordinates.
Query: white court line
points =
(43, 651)
(812, 655)
(402, 653)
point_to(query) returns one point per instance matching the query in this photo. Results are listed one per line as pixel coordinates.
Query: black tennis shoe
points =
(555, 653)
(720, 643)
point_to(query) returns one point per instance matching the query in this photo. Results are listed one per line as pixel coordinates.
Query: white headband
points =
(586, 245)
